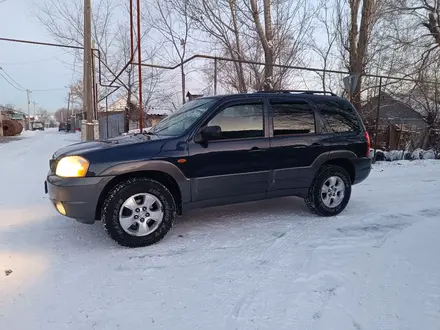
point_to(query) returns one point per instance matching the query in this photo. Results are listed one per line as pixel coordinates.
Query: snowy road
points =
(267, 265)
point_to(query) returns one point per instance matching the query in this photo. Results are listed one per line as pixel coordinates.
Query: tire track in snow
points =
(379, 296)
(266, 262)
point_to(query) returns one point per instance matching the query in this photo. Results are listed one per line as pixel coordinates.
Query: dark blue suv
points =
(214, 151)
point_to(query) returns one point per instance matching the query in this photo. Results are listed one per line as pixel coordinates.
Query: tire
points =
(115, 205)
(316, 200)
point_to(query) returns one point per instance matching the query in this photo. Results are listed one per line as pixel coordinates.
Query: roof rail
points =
(300, 91)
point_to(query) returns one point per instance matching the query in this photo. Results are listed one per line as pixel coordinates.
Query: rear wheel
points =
(138, 212)
(330, 191)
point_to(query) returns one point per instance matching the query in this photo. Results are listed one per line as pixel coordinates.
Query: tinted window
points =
(292, 118)
(338, 117)
(240, 122)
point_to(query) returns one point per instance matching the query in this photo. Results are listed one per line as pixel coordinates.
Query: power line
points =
(49, 90)
(17, 88)
(12, 79)
(36, 61)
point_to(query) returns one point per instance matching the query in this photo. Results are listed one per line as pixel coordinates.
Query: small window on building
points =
(292, 119)
(339, 117)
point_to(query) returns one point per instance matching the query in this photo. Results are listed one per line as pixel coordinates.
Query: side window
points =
(239, 122)
(292, 118)
(338, 117)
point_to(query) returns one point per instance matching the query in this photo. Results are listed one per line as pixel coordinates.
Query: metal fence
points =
(111, 125)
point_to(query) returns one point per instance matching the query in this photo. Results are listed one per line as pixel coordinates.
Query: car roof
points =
(288, 94)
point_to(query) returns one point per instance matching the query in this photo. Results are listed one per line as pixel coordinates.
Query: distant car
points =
(37, 126)
(62, 127)
(215, 151)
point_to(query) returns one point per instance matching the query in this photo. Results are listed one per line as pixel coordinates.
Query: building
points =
(111, 122)
(191, 97)
(398, 122)
(6, 116)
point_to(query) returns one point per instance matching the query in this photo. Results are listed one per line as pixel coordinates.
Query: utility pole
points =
(68, 108)
(28, 92)
(141, 112)
(87, 81)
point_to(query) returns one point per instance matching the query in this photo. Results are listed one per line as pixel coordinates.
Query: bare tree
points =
(412, 37)
(173, 22)
(61, 115)
(421, 30)
(266, 39)
(326, 48)
(272, 32)
(355, 23)
(219, 21)
(424, 96)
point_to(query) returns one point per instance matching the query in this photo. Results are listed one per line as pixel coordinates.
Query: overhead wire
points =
(10, 83)
(49, 89)
(12, 79)
(36, 61)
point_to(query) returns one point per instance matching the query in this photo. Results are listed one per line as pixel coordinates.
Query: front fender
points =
(152, 165)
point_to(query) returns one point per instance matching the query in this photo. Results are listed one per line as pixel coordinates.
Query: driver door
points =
(234, 164)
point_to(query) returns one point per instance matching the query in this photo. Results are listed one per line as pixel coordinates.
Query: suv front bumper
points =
(76, 197)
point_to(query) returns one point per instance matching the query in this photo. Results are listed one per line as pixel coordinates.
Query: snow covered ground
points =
(267, 265)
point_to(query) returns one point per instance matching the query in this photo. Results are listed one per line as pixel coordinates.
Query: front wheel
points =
(138, 212)
(330, 191)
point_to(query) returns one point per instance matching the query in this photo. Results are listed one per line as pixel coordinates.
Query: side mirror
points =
(211, 132)
(207, 133)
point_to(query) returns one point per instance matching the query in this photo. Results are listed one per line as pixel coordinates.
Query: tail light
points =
(367, 137)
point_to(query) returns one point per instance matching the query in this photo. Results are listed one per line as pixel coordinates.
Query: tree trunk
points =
(239, 66)
(183, 77)
(266, 39)
(268, 50)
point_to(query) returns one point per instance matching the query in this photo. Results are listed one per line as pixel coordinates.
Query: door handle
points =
(255, 149)
(316, 144)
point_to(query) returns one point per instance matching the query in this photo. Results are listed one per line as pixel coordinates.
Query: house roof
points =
(158, 111)
(390, 108)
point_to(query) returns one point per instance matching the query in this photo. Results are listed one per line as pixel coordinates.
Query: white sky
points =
(33, 67)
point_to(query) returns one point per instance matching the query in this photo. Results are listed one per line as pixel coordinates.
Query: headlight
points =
(72, 167)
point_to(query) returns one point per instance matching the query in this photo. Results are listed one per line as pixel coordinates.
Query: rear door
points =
(295, 143)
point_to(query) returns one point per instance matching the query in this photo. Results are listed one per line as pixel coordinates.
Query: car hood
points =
(82, 148)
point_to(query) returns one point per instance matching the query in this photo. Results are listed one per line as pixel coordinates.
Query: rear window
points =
(339, 117)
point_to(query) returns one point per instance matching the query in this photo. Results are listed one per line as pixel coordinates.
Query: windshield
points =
(177, 123)
(37, 125)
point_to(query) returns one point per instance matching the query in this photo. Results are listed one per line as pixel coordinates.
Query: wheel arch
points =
(341, 158)
(160, 176)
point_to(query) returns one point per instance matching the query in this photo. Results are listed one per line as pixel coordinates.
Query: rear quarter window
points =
(339, 117)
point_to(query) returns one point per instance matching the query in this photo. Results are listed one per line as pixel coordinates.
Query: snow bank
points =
(408, 163)
(396, 155)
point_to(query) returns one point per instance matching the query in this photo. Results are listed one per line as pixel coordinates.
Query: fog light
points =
(60, 208)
